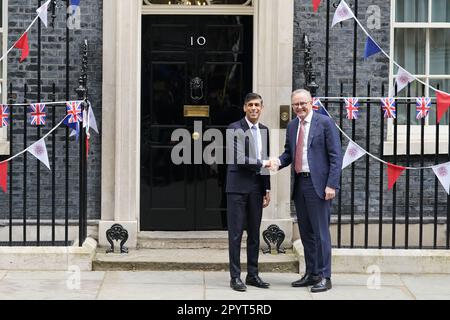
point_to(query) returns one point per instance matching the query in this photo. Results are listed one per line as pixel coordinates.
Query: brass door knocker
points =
(196, 89)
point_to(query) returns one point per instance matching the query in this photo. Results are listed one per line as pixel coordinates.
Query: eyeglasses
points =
(301, 104)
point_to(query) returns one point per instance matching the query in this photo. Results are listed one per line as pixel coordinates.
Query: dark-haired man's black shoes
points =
(256, 281)
(237, 284)
(323, 285)
(306, 280)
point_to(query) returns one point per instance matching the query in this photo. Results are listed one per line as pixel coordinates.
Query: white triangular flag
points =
(42, 12)
(442, 171)
(86, 122)
(39, 150)
(343, 12)
(92, 121)
(353, 153)
(402, 80)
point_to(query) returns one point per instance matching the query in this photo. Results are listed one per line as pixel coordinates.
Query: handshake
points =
(272, 164)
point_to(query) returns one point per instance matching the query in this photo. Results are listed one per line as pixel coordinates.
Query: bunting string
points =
(42, 138)
(349, 14)
(41, 13)
(371, 98)
(15, 43)
(46, 103)
(74, 115)
(370, 154)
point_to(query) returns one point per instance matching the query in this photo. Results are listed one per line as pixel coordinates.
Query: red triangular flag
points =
(23, 45)
(443, 103)
(87, 147)
(3, 176)
(316, 4)
(393, 173)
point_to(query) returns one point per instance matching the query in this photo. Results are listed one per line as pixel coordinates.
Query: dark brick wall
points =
(53, 66)
(53, 71)
(376, 71)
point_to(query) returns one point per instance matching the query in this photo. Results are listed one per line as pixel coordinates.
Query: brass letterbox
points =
(196, 111)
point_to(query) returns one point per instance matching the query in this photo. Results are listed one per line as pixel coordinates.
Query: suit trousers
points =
(313, 217)
(244, 210)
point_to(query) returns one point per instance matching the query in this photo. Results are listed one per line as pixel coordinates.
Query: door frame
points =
(208, 10)
(121, 89)
(195, 213)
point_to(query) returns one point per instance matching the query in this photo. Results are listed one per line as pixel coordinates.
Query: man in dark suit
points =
(313, 146)
(248, 187)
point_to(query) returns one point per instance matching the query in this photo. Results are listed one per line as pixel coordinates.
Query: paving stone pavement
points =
(201, 285)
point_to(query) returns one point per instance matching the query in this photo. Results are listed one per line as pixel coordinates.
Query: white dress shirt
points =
(306, 127)
(259, 140)
(258, 135)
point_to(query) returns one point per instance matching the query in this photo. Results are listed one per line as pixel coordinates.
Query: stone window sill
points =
(415, 140)
(4, 148)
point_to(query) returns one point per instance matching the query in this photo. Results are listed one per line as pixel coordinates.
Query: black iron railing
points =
(43, 206)
(415, 213)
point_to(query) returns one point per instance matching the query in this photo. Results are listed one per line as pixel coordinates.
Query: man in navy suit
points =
(248, 187)
(313, 146)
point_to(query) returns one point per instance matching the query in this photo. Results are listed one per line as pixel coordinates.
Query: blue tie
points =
(255, 138)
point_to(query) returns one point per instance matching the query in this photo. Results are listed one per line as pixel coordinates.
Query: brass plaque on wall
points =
(196, 111)
(284, 116)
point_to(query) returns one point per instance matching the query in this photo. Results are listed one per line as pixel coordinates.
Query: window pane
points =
(440, 11)
(411, 11)
(444, 85)
(440, 51)
(410, 49)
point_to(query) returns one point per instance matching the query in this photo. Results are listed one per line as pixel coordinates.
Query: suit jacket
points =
(243, 165)
(323, 149)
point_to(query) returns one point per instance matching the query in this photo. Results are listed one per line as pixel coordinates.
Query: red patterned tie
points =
(299, 148)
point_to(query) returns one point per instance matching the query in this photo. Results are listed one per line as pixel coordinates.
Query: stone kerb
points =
(410, 261)
(49, 258)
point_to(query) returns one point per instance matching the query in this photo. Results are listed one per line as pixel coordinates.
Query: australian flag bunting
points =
(74, 116)
(318, 106)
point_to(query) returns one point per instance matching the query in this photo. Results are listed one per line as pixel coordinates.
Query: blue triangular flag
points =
(371, 48)
(74, 4)
(75, 126)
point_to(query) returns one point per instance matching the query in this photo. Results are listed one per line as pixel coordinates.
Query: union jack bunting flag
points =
(4, 115)
(37, 114)
(352, 105)
(316, 104)
(423, 106)
(388, 105)
(74, 112)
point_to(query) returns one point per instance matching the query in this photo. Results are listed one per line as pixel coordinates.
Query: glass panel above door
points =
(199, 2)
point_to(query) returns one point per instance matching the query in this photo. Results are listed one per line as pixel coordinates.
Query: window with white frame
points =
(4, 145)
(420, 42)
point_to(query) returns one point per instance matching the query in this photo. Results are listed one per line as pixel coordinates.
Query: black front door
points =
(196, 71)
